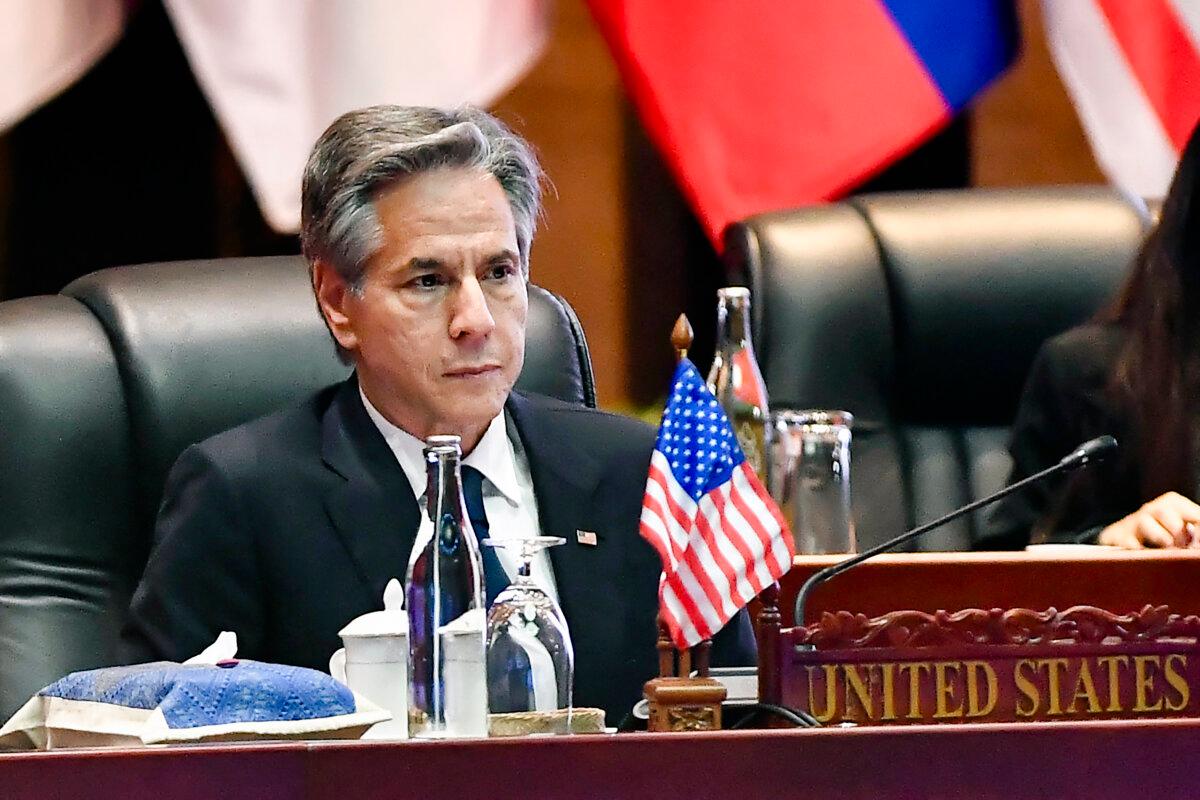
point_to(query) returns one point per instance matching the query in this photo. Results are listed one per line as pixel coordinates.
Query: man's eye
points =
(427, 281)
(501, 271)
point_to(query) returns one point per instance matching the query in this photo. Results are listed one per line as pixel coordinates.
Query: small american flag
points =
(721, 538)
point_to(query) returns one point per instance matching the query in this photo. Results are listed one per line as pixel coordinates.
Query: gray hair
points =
(365, 152)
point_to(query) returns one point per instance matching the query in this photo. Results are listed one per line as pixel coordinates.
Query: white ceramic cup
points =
(381, 678)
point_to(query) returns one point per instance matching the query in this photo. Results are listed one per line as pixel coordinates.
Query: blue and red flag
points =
(766, 104)
(720, 536)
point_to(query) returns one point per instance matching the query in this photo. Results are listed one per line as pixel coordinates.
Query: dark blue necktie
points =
(495, 579)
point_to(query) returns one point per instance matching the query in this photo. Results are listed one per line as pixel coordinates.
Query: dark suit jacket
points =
(1065, 403)
(286, 528)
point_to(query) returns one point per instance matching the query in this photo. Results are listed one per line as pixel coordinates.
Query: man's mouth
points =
(472, 372)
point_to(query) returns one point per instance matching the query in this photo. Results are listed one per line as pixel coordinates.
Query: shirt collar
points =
(493, 456)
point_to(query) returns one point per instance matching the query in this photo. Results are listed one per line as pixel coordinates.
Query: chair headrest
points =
(203, 346)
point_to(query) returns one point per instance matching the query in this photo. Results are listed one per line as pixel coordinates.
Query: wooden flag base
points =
(684, 704)
(678, 701)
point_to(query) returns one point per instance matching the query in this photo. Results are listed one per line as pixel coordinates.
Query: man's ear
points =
(333, 297)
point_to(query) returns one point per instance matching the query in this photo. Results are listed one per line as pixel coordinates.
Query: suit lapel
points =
(376, 516)
(373, 511)
(565, 481)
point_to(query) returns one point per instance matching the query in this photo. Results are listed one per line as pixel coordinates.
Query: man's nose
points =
(470, 315)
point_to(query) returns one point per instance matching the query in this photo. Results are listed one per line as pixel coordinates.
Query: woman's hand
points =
(1166, 521)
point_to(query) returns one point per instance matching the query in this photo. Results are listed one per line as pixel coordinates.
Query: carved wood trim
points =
(844, 630)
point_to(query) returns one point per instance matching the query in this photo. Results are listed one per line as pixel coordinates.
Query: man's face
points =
(438, 329)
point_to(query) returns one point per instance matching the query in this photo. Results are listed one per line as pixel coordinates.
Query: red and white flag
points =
(720, 536)
(1133, 70)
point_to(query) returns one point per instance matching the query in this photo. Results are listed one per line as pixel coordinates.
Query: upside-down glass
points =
(530, 660)
(809, 478)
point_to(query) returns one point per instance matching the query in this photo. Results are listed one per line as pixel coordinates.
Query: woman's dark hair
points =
(1157, 373)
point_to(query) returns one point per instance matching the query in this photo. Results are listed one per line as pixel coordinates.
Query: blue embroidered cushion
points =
(191, 696)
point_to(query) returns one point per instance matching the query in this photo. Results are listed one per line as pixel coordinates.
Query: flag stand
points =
(679, 701)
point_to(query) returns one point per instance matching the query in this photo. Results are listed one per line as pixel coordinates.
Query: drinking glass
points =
(530, 660)
(809, 478)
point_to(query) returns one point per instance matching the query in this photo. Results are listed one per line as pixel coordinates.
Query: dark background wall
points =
(130, 166)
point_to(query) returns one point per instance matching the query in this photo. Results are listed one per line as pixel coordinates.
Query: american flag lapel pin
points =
(586, 537)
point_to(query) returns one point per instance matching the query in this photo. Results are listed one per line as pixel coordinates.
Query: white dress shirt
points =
(508, 498)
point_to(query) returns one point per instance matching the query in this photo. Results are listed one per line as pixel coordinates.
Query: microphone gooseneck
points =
(1087, 453)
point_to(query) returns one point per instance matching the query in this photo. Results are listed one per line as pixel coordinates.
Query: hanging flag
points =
(760, 104)
(1133, 70)
(46, 45)
(720, 536)
(277, 72)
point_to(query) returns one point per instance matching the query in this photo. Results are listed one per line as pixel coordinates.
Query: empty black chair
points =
(921, 313)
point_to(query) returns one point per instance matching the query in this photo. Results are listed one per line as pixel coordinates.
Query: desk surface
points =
(1110, 578)
(1153, 758)
(1120, 759)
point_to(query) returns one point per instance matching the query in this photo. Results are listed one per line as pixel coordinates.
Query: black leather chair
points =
(103, 386)
(921, 314)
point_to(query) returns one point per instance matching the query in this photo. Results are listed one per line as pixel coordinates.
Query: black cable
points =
(797, 716)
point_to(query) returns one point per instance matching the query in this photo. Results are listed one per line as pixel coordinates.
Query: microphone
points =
(1096, 449)
(1090, 451)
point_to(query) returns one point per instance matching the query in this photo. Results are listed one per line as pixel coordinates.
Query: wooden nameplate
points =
(990, 665)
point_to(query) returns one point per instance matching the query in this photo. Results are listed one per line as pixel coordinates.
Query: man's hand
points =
(1166, 521)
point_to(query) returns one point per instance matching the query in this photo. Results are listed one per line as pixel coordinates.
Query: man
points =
(417, 225)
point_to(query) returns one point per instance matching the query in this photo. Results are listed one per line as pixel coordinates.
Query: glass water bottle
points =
(735, 379)
(447, 670)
